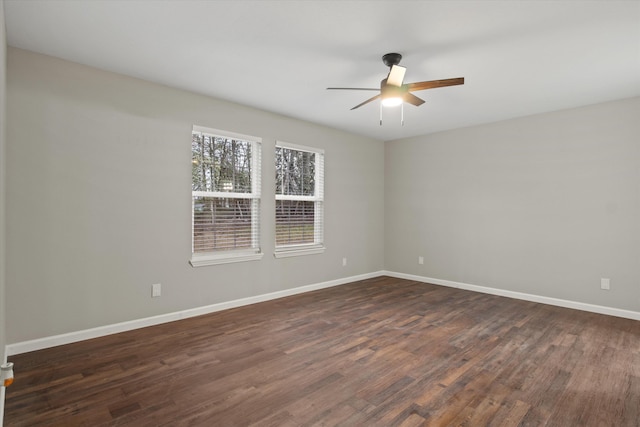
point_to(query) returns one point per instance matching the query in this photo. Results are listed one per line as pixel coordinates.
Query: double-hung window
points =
(225, 189)
(299, 200)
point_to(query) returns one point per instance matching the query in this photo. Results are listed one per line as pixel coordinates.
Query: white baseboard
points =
(47, 342)
(610, 311)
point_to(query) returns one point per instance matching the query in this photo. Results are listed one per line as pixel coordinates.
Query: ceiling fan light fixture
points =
(392, 101)
(391, 96)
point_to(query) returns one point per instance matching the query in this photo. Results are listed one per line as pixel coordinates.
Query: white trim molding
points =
(290, 251)
(224, 257)
(225, 134)
(610, 311)
(52, 341)
(47, 342)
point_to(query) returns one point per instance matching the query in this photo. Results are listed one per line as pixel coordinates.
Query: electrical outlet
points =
(605, 284)
(156, 290)
(344, 262)
(421, 260)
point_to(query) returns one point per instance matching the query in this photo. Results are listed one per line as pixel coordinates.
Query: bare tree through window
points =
(298, 196)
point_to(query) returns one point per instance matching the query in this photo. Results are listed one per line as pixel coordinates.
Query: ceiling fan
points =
(393, 91)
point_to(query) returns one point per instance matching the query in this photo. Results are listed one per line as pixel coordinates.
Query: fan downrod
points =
(391, 59)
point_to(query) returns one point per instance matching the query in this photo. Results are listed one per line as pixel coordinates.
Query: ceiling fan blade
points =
(366, 102)
(352, 88)
(396, 75)
(435, 83)
(413, 100)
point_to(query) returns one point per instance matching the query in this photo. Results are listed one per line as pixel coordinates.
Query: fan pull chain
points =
(401, 114)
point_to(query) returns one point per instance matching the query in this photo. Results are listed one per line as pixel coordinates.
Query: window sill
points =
(292, 251)
(202, 260)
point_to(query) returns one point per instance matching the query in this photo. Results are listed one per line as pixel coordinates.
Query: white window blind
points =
(299, 199)
(225, 196)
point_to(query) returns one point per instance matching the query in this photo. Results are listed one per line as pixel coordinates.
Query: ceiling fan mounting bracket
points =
(391, 59)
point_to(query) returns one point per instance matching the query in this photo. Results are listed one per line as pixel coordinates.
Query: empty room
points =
(305, 213)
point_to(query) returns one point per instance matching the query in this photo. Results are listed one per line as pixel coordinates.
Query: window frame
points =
(253, 253)
(317, 247)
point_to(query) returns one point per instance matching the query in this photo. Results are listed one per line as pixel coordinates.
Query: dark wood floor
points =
(380, 352)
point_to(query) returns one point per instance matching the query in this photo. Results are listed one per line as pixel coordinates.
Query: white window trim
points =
(226, 134)
(317, 247)
(202, 259)
(227, 257)
(297, 147)
(298, 250)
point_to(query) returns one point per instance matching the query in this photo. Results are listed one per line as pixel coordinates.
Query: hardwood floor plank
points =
(379, 352)
(511, 415)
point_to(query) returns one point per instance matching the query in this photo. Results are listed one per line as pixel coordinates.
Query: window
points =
(225, 189)
(299, 200)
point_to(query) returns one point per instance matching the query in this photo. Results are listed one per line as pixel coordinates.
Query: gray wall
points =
(545, 205)
(99, 204)
(3, 72)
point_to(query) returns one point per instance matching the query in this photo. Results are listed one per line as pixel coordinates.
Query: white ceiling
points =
(518, 57)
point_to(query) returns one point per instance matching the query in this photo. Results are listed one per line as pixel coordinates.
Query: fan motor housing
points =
(387, 91)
